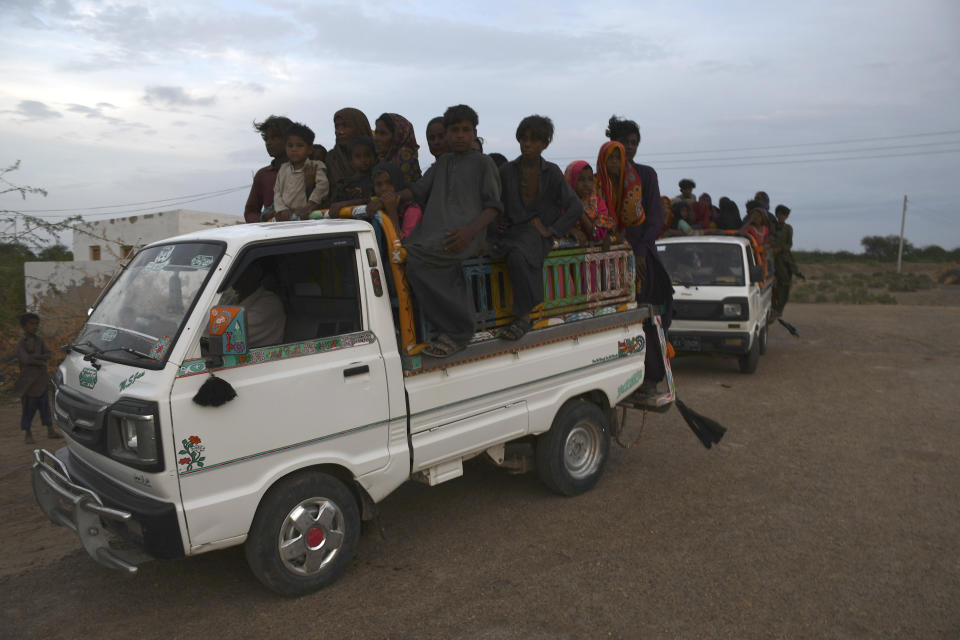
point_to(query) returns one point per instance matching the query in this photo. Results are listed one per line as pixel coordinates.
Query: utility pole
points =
(903, 223)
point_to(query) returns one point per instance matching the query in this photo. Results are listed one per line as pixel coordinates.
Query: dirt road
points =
(830, 510)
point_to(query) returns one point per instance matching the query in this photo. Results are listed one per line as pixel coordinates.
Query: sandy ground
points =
(829, 510)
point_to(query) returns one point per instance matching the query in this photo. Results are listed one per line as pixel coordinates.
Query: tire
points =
(304, 534)
(571, 456)
(748, 361)
(763, 340)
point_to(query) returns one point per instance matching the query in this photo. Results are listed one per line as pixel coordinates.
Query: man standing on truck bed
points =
(461, 194)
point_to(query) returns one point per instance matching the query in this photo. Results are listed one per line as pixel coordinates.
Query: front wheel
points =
(304, 534)
(763, 340)
(572, 454)
(748, 361)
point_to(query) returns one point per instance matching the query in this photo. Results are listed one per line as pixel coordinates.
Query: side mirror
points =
(228, 332)
(756, 273)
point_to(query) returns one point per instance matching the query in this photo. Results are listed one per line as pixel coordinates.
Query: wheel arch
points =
(368, 509)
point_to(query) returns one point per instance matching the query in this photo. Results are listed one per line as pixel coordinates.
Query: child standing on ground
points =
(31, 386)
(290, 200)
(539, 207)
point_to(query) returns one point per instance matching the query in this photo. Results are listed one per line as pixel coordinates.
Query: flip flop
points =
(515, 330)
(442, 347)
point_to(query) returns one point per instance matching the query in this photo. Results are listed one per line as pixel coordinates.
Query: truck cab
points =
(722, 296)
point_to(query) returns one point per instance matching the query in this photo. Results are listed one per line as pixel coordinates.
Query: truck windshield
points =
(703, 264)
(140, 316)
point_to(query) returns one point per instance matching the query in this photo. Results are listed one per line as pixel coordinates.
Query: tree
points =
(886, 248)
(55, 253)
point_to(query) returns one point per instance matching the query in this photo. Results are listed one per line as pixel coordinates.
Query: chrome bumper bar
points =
(82, 511)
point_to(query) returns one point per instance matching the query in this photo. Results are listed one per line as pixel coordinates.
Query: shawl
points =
(403, 149)
(625, 198)
(338, 161)
(594, 207)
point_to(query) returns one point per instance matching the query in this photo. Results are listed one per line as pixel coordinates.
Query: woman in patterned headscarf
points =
(348, 123)
(396, 142)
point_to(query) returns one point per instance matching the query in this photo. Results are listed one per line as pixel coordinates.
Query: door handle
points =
(355, 371)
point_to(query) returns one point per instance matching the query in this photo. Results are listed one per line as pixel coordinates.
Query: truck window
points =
(318, 288)
(703, 264)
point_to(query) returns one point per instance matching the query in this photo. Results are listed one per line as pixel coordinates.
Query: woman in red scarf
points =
(599, 224)
(396, 142)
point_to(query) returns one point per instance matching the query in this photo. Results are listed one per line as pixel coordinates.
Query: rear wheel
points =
(748, 361)
(763, 340)
(304, 534)
(572, 454)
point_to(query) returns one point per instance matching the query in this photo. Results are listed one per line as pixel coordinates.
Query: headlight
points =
(732, 309)
(132, 434)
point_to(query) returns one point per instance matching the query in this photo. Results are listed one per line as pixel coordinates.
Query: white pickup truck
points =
(722, 300)
(331, 417)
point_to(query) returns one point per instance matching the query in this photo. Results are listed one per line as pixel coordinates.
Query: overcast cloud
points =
(836, 109)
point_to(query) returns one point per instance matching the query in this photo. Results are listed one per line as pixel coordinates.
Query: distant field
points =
(874, 283)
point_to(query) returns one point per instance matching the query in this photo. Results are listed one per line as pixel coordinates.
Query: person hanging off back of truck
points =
(290, 200)
(757, 228)
(539, 207)
(786, 266)
(640, 212)
(259, 204)
(461, 192)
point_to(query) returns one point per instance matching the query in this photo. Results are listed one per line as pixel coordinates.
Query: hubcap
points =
(311, 536)
(581, 451)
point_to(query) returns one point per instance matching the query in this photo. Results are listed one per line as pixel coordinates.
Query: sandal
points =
(443, 346)
(515, 330)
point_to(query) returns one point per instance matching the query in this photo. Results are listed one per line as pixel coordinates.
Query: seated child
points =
(452, 230)
(290, 199)
(387, 183)
(356, 189)
(539, 207)
(596, 221)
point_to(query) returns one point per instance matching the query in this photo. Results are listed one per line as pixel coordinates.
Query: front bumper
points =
(118, 528)
(732, 342)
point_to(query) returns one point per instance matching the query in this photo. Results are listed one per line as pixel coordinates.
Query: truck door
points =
(311, 388)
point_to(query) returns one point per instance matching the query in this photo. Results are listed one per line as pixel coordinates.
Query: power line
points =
(154, 208)
(206, 194)
(810, 161)
(812, 144)
(820, 153)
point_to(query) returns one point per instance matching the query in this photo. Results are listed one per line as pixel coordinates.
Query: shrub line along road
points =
(829, 510)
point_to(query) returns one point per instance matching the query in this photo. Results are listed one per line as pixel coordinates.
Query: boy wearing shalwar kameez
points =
(461, 193)
(539, 207)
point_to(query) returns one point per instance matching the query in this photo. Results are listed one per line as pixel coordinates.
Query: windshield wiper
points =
(684, 283)
(94, 354)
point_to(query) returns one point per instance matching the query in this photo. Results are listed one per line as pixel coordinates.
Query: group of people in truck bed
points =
(468, 203)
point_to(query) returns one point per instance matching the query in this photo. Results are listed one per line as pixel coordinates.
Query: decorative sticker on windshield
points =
(109, 335)
(160, 262)
(281, 352)
(159, 349)
(201, 262)
(88, 378)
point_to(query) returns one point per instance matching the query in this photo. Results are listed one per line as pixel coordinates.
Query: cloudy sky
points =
(837, 109)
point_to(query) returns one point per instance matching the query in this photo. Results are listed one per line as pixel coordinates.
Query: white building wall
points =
(112, 238)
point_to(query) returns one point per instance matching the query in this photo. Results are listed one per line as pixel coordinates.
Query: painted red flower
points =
(184, 460)
(194, 439)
